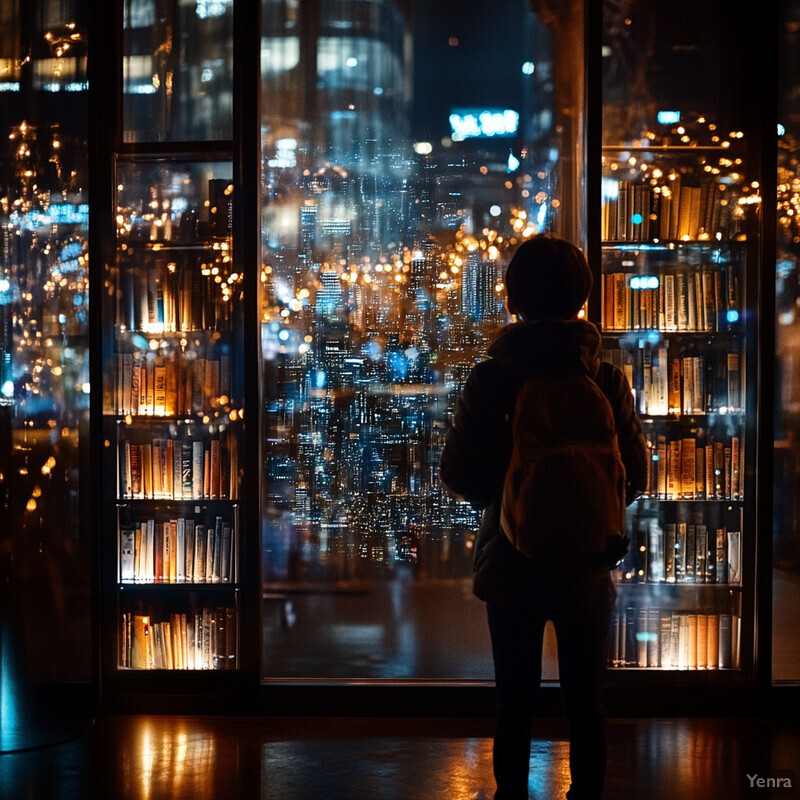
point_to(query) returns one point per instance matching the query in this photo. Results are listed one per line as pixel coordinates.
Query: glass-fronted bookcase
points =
(679, 304)
(674, 294)
(172, 337)
(173, 401)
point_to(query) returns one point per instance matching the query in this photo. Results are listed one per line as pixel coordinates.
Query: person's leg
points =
(582, 652)
(516, 636)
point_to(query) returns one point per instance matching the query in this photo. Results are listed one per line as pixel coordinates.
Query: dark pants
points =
(517, 633)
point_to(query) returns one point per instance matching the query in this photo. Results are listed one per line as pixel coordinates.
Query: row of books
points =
(688, 468)
(640, 212)
(184, 382)
(684, 298)
(682, 552)
(179, 550)
(667, 383)
(174, 292)
(668, 639)
(201, 639)
(183, 468)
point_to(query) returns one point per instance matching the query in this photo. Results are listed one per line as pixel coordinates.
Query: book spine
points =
(722, 556)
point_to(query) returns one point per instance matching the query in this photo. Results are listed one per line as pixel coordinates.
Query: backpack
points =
(564, 491)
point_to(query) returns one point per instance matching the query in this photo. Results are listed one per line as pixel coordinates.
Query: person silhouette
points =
(547, 283)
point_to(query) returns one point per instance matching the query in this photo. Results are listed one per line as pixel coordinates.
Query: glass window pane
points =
(395, 187)
(177, 70)
(786, 541)
(45, 545)
(676, 225)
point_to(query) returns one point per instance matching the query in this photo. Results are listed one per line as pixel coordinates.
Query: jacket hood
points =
(548, 345)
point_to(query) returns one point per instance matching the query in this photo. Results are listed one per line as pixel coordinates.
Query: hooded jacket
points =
(478, 445)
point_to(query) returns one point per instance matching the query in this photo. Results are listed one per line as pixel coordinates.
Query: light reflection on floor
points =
(249, 758)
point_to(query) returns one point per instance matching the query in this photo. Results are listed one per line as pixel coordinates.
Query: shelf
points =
(647, 586)
(697, 501)
(218, 586)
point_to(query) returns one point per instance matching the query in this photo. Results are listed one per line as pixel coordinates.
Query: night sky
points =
(483, 69)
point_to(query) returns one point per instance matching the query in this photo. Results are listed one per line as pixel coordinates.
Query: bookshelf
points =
(173, 402)
(674, 320)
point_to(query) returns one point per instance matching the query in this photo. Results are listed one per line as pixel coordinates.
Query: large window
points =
(404, 155)
(45, 550)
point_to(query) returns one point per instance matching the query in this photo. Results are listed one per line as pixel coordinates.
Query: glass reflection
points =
(44, 365)
(384, 239)
(177, 70)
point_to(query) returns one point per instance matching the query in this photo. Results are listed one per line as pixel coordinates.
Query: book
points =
(653, 632)
(670, 538)
(722, 556)
(214, 481)
(702, 641)
(725, 641)
(682, 302)
(177, 469)
(197, 469)
(712, 650)
(665, 639)
(160, 389)
(655, 546)
(141, 654)
(691, 641)
(670, 303)
(200, 545)
(631, 646)
(187, 475)
(674, 469)
(189, 550)
(701, 554)
(226, 554)
(216, 561)
(210, 555)
(149, 549)
(683, 641)
(736, 488)
(680, 553)
(688, 466)
(180, 550)
(124, 474)
(127, 573)
(734, 557)
(662, 460)
(169, 468)
(710, 490)
(687, 373)
(691, 555)
(675, 640)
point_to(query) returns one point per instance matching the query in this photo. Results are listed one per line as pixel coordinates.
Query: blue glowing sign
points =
(482, 123)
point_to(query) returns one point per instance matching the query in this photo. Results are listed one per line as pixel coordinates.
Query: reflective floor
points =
(202, 758)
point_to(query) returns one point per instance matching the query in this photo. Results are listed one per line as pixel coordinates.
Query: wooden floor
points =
(133, 757)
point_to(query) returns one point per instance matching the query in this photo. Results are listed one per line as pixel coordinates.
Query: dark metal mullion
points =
(247, 258)
(221, 150)
(105, 85)
(762, 40)
(593, 72)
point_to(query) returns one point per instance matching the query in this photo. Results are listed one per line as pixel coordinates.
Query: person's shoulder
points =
(493, 382)
(491, 369)
(609, 376)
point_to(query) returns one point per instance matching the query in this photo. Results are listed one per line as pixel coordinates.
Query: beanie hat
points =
(547, 278)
